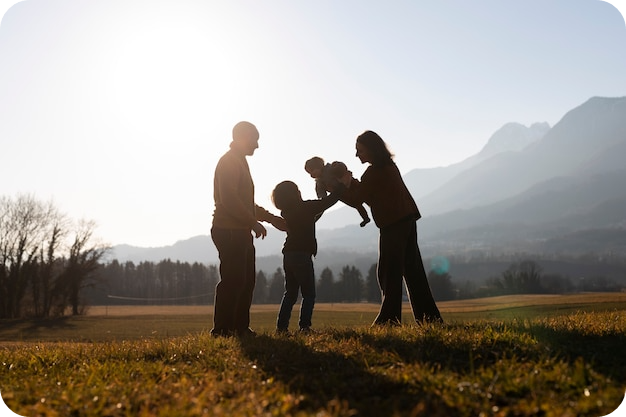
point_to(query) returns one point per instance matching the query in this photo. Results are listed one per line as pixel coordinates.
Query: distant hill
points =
(536, 188)
(569, 181)
(582, 139)
(195, 249)
(511, 137)
(561, 203)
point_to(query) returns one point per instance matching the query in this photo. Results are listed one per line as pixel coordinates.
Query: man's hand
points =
(259, 230)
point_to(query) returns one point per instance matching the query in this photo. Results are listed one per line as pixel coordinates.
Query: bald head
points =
(245, 137)
(245, 130)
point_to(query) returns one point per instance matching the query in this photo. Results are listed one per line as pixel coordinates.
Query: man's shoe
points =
(221, 333)
(247, 332)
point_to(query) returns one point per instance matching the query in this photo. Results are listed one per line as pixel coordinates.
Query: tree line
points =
(165, 282)
(520, 277)
(46, 259)
(349, 286)
(182, 283)
(169, 282)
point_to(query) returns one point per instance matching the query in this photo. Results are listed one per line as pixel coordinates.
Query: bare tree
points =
(83, 260)
(43, 282)
(38, 269)
(522, 277)
(23, 226)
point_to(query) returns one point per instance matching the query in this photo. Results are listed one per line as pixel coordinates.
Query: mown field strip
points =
(115, 323)
(457, 306)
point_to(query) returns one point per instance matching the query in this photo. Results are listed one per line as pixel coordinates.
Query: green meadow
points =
(503, 356)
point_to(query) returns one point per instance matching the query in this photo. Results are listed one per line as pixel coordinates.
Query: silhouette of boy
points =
(299, 249)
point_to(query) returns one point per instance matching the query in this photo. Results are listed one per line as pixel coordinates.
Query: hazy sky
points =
(119, 110)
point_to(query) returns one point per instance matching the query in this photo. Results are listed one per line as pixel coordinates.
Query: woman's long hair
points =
(376, 146)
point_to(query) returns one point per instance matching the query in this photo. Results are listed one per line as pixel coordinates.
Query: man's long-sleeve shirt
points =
(233, 191)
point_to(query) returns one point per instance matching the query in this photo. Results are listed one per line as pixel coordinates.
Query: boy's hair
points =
(285, 194)
(313, 163)
(338, 169)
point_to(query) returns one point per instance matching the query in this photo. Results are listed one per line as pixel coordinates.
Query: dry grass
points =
(554, 364)
(502, 356)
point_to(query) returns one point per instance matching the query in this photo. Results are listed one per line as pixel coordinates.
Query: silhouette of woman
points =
(395, 214)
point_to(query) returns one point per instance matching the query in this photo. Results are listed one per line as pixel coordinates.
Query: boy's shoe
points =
(282, 332)
(306, 330)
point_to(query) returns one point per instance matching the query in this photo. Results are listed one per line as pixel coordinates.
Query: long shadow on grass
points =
(360, 378)
(326, 376)
(452, 347)
(604, 353)
(366, 380)
(29, 328)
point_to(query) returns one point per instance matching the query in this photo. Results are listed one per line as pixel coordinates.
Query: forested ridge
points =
(174, 282)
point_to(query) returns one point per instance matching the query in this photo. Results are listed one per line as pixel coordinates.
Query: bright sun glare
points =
(168, 77)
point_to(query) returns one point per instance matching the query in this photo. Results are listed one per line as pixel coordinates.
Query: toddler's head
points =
(314, 166)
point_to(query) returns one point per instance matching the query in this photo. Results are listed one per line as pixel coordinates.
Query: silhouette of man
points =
(236, 215)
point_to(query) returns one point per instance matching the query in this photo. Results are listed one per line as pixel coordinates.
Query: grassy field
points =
(502, 356)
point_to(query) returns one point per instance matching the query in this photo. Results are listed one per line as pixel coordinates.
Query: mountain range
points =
(536, 189)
